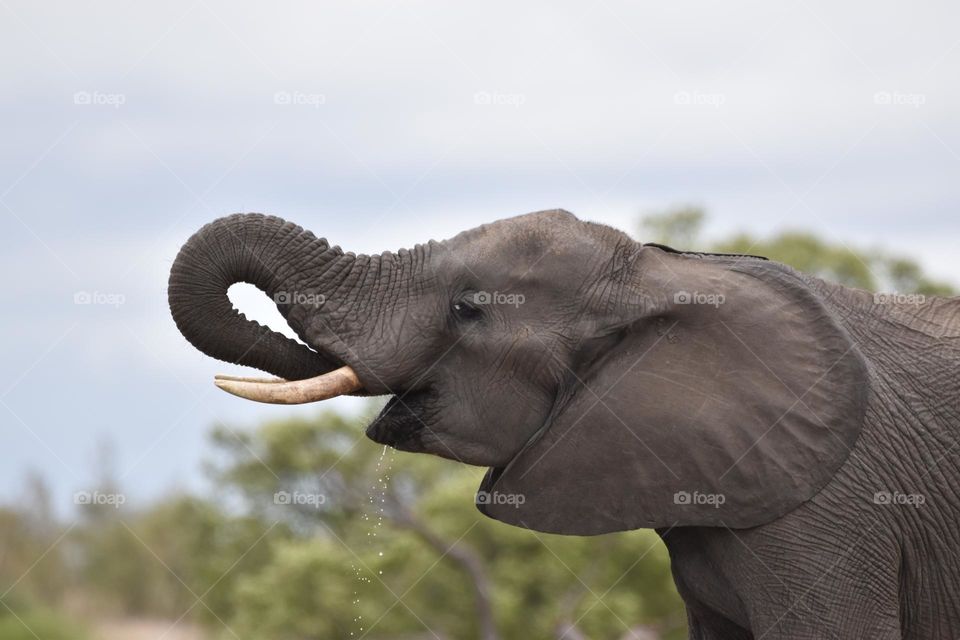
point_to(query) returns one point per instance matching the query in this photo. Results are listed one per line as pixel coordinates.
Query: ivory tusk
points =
(221, 376)
(278, 391)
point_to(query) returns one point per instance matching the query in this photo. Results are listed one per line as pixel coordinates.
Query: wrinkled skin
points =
(840, 565)
(749, 413)
(492, 369)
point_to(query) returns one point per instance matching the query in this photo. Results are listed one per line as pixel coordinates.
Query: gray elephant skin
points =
(793, 441)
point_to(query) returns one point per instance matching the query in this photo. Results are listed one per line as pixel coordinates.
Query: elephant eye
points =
(463, 310)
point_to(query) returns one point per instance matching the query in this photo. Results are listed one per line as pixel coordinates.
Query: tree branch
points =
(461, 554)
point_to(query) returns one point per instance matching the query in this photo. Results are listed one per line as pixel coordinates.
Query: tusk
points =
(278, 391)
(221, 376)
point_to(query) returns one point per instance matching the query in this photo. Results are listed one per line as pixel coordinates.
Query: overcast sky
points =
(126, 126)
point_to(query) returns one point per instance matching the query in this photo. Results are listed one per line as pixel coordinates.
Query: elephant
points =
(792, 441)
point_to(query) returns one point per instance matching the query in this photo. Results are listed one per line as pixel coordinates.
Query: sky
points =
(378, 125)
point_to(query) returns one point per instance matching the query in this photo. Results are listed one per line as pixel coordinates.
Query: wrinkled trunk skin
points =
(300, 272)
(843, 566)
(376, 313)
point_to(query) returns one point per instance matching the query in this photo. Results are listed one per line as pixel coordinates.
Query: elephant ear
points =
(728, 396)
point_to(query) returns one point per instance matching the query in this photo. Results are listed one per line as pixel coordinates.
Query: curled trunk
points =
(270, 253)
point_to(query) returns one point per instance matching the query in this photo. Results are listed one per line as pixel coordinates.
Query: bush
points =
(38, 623)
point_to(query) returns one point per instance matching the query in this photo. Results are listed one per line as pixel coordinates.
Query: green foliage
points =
(38, 623)
(35, 573)
(810, 254)
(836, 261)
(679, 227)
(400, 548)
(908, 277)
(32, 565)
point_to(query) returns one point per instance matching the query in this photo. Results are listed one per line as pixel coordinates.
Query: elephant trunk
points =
(273, 255)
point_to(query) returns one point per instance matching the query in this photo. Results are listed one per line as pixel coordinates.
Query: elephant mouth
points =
(402, 423)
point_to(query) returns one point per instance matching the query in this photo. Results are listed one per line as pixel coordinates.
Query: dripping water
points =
(376, 505)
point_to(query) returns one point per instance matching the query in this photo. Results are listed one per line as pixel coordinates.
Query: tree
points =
(678, 227)
(833, 260)
(390, 550)
(35, 572)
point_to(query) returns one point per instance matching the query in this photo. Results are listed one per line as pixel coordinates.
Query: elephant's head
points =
(609, 385)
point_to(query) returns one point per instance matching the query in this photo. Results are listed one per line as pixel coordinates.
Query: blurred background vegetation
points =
(314, 532)
(872, 269)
